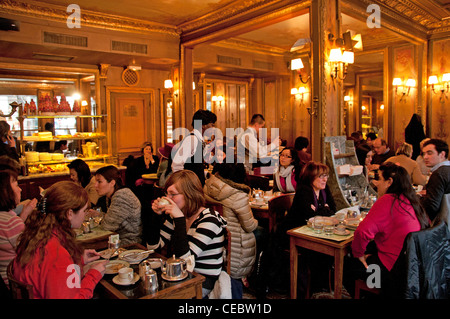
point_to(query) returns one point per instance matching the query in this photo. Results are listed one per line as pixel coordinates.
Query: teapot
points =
(174, 268)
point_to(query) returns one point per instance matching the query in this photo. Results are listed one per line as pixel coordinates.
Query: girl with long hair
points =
(395, 214)
(48, 256)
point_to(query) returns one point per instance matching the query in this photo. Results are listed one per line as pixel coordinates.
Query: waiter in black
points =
(190, 153)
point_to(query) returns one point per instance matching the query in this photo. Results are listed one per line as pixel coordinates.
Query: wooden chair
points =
(19, 290)
(278, 207)
(257, 182)
(361, 285)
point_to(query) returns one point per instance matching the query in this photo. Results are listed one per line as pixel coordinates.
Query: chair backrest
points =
(279, 205)
(19, 290)
(257, 182)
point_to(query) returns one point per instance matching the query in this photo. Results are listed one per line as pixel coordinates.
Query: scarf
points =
(286, 173)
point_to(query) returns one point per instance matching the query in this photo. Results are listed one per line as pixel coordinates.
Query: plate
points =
(139, 258)
(107, 253)
(118, 282)
(327, 220)
(165, 277)
(114, 266)
(345, 233)
(352, 223)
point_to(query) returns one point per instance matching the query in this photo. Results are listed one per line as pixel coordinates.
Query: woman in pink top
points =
(395, 214)
(48, 257)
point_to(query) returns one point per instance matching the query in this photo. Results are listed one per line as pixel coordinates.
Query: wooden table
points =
(338, 249)
(189, 288)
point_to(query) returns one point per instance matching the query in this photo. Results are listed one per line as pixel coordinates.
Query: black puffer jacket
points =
(423, 267)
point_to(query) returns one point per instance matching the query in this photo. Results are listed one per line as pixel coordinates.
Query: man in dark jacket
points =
(435, 155)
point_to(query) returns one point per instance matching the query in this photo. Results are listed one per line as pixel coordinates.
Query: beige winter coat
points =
(240, 221)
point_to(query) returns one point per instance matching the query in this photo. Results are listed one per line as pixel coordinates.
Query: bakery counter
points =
(31, 184)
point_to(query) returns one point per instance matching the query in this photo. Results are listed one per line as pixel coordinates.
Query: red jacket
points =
(55, 277)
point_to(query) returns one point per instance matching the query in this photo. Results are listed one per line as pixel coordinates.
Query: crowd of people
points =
(38, 238)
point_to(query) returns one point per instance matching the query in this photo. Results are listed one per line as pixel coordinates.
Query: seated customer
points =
(7, 141)
(81, 173)
(123, 214)
(381, 153)
(403, 158)
(227, 187)
(312, 198)
(145, 164)
(11, 225)
(435, 155)
(189, 227)
(395, 214)
(48, 257)
(286, 176)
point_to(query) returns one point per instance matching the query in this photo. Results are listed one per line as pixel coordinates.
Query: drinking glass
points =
(328, 229)
(113, 247)
(318, 225)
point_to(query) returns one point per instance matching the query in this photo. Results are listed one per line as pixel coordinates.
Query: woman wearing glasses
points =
(286, 176)
(194, 232)
(312, 198)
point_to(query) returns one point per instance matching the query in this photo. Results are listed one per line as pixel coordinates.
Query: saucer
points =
(117, 281)
(165, 277)
(345, 233)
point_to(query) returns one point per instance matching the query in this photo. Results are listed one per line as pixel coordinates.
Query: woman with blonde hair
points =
(48, 256)
(191, 229)
(403, 158)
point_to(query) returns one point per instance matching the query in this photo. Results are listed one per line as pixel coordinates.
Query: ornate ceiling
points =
(272, 26)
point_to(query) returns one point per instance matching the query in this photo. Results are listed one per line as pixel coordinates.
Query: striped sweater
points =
(11, 226)
(204, 240)
(124, 217)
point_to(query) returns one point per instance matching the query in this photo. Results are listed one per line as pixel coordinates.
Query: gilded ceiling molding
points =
(88, 18)
(250, 46)
(390, 18)
(238, 20)
(228, 12)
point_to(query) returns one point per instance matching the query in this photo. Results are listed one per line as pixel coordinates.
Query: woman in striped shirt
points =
(11, 225)
(189, 227)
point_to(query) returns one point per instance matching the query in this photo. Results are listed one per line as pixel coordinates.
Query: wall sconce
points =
(219, 99)
(339, 62)
(297, 64)
(445, 84)
(299, 93)
(168, 85)
(405, 89)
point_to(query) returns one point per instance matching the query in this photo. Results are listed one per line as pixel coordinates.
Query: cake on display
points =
(76, 108)
(64, 106)
(46, 106)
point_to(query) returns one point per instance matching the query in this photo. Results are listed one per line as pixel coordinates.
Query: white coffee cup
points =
(126, 275)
